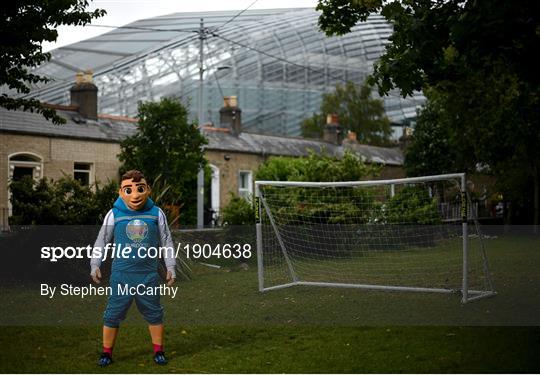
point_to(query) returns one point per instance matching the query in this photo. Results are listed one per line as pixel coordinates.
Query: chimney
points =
(351, 137)
(84, 95)
(332, 130)
(230, 116)
(406, 139)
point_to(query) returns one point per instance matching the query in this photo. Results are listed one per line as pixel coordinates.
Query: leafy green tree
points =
(495, 132)
(357, 111)
(313, 127)
(479, 56)
(443, 41)
(433, 148)
(168, 146)
(24, 26)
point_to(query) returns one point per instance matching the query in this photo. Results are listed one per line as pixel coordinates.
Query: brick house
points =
(86, 147)
(235, 155)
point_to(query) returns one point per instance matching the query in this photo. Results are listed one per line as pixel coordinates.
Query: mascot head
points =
(134, 190)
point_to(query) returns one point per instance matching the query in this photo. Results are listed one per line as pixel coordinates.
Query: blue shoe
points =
(160, 359)
(105, 360)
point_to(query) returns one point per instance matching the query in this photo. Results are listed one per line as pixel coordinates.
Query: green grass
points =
(221, 323)
(279, 350)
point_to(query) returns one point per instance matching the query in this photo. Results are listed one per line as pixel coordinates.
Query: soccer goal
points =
(411, 234)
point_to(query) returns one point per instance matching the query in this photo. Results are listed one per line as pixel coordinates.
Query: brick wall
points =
(229, 169)
(58, 156)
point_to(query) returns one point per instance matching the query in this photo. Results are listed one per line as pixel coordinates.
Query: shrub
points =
(317, 205)
(238, 212)
(412, 205)
(316, 167)
(66, 201)
(411, 216)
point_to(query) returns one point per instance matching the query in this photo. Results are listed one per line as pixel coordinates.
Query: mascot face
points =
(134, 194)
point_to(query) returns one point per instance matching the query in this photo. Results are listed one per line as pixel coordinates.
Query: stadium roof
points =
(276, 61)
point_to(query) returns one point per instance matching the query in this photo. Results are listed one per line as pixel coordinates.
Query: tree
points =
(168, 147)
(437, 41)
(357, 111)
(433, 148)
(479, 56)
(495, 131)
(24, 26)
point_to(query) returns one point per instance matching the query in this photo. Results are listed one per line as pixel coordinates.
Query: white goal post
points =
(410, 234)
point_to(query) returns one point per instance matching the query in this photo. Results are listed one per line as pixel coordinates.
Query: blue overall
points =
(136, 229)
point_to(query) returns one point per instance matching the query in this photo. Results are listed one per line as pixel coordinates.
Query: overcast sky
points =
(121, 12)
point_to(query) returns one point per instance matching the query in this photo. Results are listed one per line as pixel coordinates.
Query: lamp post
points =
(200, 174)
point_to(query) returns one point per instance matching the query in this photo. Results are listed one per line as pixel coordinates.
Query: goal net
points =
(411, 234)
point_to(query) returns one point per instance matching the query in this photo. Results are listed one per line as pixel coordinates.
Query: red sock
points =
(107, 350)
(157, 348)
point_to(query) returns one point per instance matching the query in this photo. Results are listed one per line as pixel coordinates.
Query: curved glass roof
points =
(276, 62)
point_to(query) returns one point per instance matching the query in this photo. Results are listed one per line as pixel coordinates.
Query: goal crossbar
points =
(397, 181)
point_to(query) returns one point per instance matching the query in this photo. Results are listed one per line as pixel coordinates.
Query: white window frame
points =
(245, 193)
(215, 191)
(90, 171)
(36, 165)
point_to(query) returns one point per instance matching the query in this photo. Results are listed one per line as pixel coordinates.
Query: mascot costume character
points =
(137, 223)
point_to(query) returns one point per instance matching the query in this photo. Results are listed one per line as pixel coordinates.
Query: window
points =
(24, 164)
(81, 173)
(245, 188)
(20, 172)
(21, 165)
